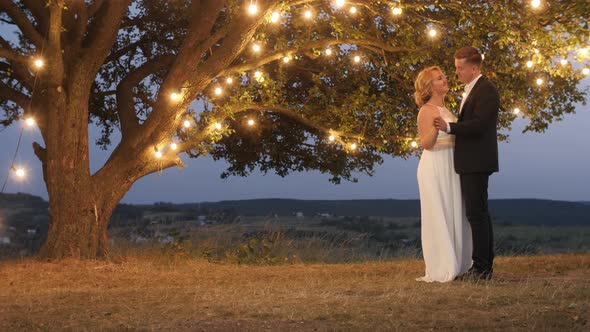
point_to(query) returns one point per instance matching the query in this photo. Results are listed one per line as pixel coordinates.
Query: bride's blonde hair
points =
(423, 85)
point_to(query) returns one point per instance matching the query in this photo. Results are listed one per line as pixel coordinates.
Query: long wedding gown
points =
(446, 234)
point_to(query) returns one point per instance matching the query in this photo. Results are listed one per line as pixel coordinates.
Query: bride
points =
(446, 234)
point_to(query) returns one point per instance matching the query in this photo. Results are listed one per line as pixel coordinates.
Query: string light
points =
(218, 91)
(174, 96)
(256, 48)
(353, 10)
(586, 71)
(286, 59)
(250, 122)
(583, 51)
(539, 81)
(396, 11)
(516, 110)
(39, 63)
(308, 14)
(328, 51)
(158, 154)
(186, 124)
(174, 146)
(19, 172)
(529, 64)
(563, 62)
(536, 51)
(258, 74)
(353, 146)
(30, 121)
(413, 144)
(357, 58)
(229, 80)
(217, 125)
(331, 138)
(274, 17)
(339, 3)
(252, 9)
(432, 33)
(536, 3)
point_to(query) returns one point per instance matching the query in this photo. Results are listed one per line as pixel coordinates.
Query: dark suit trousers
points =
(475, 194)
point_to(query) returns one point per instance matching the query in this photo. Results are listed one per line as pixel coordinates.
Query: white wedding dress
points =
(446, 234)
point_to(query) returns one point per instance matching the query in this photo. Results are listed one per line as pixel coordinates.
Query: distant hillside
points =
(516, 211)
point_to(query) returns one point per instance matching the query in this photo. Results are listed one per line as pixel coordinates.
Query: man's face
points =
(465, 71)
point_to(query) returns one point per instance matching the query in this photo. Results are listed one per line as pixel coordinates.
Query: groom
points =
(476, 154)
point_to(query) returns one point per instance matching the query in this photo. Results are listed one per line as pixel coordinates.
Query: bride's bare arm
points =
(426, 130)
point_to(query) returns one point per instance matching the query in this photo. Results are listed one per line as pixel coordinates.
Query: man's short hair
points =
(470, 54)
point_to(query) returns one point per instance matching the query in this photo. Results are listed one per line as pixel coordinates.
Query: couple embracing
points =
(460, 153)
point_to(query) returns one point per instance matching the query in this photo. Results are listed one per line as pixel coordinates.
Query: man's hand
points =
(440, 123)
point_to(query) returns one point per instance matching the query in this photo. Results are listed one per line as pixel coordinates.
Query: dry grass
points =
(162, 293)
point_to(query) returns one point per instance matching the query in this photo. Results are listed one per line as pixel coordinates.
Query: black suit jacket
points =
(476, 136)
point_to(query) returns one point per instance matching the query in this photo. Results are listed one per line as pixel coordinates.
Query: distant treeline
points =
(508, 211)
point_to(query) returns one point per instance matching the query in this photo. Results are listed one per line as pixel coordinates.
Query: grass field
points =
(147, 291)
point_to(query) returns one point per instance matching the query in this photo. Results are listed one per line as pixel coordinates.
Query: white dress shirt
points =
(468, 87)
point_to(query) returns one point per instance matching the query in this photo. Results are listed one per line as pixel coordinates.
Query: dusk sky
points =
(553, 165)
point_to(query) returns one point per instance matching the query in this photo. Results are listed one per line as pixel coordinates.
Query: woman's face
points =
(440, 85)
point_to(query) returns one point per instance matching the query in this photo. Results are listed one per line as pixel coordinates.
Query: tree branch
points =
(18, 98)
(22, 22)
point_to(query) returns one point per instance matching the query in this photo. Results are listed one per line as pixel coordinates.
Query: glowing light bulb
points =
(186, 124)
(413, 144)
(536, 50)
(39, 63)
(286, 59)
(250, 122)
(353, 10)
(174, 96)
(536, 3)
(30, 121)
(516, 110)
(158, 154)
(563, 62)
(252, 9)
(308, 14)
(328, 51)
(256, 48)
(274, 17)
(257, 74)
(357, 58)
(20, 172)
(483, 57)
(586, 71)
(218, 91)
(397, 11)
(331, 138)
(174, 146)
(432, 33)
(539, 81)
(584, 51)
(229, 80)
(529, 64)
(217, 125)
(353, 146)
(339, 3)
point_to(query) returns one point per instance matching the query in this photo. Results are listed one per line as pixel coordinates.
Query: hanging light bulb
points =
(536, 3)
(396, 11)
(516, 110)
(308, 14)
(39, 63)
(274, 17)
(218, 91)
(19, 172)
(217, 125)
(174, 96)
(357, 59)
(229, 80)
(413, 144)
(258, 74)
(252, 9)
(328, 51)
(250, 122)
(286, 59)
(187, 124)
(432, 33)
(584, 51)
(353, 146)
(539, 81)
(529, 64)
(331, 138)
(339, 3)
(30, 121)
(158, 154)
(563, 62)
(256, 48)
(174, 146)
(353, 10)
(586, 71)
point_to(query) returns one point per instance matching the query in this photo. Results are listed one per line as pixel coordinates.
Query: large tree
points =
(157, 71)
